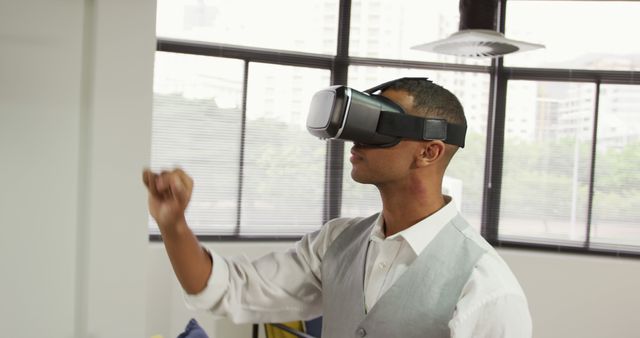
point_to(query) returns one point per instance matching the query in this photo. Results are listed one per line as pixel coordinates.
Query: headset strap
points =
(383, 86)
(419, 128)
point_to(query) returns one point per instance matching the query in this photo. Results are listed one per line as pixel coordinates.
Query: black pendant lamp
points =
(477, 36)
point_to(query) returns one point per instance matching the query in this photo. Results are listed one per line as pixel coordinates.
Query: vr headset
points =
(343, 113)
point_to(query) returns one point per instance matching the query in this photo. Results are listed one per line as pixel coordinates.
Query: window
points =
(616, 195)
(569, 139)
(283, 167)
(264, 24)
(551, 153)
(545, 177)
(597, 35)
(237, 161)
(389, 28)
(197, 124)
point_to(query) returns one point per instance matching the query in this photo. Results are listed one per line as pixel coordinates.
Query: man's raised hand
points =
(169, 196)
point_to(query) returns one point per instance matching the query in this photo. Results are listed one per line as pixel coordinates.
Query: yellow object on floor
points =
(274, 332)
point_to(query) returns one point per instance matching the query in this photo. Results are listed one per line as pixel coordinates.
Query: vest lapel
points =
(343, 270)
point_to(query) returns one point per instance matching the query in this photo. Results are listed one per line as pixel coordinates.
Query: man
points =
(415, 270)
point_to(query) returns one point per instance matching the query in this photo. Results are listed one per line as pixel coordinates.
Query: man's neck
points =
(402, 208)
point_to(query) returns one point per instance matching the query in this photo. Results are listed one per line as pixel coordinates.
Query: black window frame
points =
(500, 75)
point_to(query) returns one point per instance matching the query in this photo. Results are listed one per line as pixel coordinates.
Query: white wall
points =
(569, 295)
(39, 136)
(578, 295)
(75, 119)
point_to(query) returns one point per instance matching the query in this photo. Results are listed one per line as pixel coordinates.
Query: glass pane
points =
(196, 125)
(265, 24)
(283, 172)
(464, 177)
(616, 199)
(547, 156)
(389, 28)
(577, 34)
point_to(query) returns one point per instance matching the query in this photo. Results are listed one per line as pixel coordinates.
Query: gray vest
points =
(419, 304)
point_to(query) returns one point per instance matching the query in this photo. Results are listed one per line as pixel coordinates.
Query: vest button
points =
(362, 332)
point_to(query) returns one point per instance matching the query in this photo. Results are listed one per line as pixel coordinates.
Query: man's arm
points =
(169, 195)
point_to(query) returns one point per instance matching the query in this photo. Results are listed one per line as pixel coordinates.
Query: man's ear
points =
(430, 152)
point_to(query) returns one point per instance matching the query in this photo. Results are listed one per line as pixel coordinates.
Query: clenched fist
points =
(169, 195)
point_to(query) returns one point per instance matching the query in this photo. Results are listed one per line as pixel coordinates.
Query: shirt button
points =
(382, 265)
(362, 332)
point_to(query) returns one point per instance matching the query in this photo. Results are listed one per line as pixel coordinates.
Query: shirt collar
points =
(419, 235)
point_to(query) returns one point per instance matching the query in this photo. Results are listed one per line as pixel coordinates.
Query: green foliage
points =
(617, 185)
(618, 169)
(538, 180)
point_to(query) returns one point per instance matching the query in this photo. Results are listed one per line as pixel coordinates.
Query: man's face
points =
(379, 166)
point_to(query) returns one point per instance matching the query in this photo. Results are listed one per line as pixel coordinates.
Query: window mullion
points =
(495, 141)
(594, 141)
(495, 153)
(335, 149)
(243, 128)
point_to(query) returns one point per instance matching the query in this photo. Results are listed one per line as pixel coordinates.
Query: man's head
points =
(418, 97)
(431, 101)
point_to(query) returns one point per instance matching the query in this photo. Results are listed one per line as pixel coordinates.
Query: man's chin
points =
(359, 178)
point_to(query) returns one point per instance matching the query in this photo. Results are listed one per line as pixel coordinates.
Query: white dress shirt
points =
(288, 286)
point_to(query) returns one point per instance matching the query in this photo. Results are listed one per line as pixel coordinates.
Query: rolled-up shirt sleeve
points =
(215, 288)
(277, 287)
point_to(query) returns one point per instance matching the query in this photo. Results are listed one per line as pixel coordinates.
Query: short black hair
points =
(432, 100)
